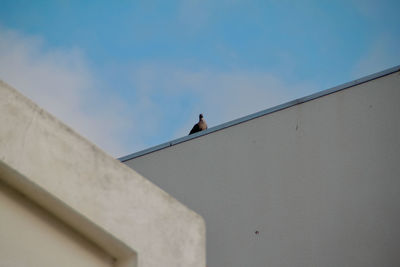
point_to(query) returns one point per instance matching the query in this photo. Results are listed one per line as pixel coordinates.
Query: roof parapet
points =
(263, 112)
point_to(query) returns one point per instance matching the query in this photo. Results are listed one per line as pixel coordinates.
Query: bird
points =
(200, 126)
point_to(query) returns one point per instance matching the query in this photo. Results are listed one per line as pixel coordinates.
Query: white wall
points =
(319, 182)
(101, 199)
(30, 236)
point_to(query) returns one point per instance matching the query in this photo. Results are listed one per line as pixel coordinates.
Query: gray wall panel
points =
(319, 181)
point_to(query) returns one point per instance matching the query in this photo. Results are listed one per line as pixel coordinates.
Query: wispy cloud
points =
(221, 96)
(165, 102)
(60, 81)
(382, 54)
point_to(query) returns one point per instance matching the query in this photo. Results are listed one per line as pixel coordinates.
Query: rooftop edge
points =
(263, 113)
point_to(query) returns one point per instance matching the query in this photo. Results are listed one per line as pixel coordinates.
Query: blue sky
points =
(133, 74)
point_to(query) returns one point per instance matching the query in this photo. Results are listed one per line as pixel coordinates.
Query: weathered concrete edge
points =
(33, 180)
(263, 112)
(60, 210)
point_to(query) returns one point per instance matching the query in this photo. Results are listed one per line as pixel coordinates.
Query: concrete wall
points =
(78, 203)
(315, 184)
(30, 236)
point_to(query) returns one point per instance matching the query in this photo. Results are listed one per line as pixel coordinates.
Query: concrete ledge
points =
(109, 203)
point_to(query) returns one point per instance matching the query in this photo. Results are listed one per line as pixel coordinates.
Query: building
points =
(313, 182)
(64, 202)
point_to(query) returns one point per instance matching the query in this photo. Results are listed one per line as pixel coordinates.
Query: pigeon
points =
(200, 126)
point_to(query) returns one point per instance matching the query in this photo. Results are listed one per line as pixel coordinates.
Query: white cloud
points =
(60, 81)
(220, 96)
(382, 54)
(165, 102)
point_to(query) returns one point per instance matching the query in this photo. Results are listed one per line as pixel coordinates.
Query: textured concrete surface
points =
(104, 200)
(316, 184)
(30, 236)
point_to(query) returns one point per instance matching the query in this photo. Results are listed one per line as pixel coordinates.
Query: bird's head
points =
(200, 116)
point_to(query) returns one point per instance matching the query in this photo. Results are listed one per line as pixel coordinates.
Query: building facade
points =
(313, 182)
(64, 202)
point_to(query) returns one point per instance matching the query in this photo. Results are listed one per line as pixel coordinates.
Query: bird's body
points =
(200, 126)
